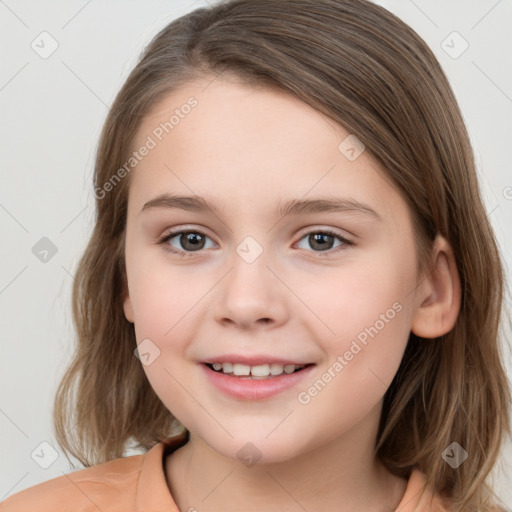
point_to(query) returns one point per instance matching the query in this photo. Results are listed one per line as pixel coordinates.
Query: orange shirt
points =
(138, 484)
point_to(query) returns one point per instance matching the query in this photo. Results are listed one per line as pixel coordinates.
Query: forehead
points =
(249, 146)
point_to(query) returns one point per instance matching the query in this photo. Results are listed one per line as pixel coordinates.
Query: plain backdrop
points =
(51, 112)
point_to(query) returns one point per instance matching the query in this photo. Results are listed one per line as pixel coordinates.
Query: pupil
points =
(320, 239)
(195, 239)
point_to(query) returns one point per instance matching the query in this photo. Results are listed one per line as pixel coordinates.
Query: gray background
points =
(52, 110)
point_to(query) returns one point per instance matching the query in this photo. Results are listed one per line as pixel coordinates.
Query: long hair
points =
(363, 67)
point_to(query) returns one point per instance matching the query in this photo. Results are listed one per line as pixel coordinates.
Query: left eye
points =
(194, 241)
(322, 240)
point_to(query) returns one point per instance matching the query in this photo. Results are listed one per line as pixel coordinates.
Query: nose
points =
(251, 296)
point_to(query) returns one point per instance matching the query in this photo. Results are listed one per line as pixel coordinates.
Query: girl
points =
(292, 294)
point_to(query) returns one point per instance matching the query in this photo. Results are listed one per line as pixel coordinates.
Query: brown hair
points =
(363, 67)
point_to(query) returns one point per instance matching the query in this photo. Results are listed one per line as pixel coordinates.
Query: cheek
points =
(355, 296)
(368, 311)
(165, 304)
(371, 320)
(164, 296)
(166, 301)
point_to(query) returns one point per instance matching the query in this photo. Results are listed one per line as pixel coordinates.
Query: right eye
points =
(189, 240)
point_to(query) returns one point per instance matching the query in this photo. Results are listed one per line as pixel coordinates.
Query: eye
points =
(323, 240)
(189, 240)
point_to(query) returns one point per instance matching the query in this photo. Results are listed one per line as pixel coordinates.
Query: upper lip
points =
(253, 360)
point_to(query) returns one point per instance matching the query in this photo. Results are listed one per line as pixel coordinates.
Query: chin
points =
(253, 448)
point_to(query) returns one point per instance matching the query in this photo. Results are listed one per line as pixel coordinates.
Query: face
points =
(258, 287)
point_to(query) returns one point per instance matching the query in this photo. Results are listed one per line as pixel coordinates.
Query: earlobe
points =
(127, 303)
(438, 295)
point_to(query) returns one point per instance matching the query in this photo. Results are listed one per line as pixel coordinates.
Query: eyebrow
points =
(288, 208)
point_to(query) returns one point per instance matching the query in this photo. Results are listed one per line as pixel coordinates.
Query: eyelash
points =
(183, 254)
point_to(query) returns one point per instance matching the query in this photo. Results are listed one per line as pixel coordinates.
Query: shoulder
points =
(108, 486)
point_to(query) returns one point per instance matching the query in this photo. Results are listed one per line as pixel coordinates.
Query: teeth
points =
(241, 369)
(276, 369)
(227, 367)
(259, 371)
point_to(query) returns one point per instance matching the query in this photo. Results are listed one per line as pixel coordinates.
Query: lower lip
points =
(250, 389)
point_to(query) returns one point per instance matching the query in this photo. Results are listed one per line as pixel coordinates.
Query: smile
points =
(262, 371)
(257, 382)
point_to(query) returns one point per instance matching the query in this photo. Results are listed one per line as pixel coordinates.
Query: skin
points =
(249, 149)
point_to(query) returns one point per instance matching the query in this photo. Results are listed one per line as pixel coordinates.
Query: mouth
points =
(250, 378)
(265, 371)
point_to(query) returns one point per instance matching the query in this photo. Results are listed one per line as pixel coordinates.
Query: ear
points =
(438, 295)
(127, 303)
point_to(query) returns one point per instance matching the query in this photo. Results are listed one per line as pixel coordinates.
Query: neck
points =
(342, 474)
